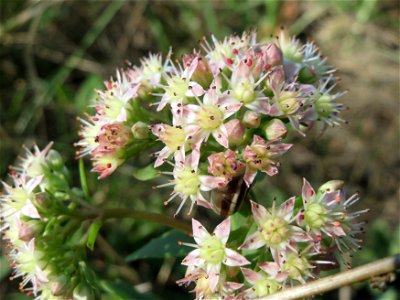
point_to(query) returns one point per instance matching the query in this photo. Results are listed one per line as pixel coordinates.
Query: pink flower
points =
(266, 282)
(259, 157)
(112, 137)
(224, 289)
(189, 184)
(211, 251)
(326, 214)
(208, 117)
(18, 198)
(179, 86)
(225, 165)
(274, 229)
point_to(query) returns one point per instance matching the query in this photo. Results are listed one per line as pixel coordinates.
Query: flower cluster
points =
(287, 246)
(220, 113)
(40, 236)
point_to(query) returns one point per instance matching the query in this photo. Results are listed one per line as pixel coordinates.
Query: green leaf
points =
(165, 245)
(82, 177)
(5, 268)
(122, 291)
(146, 173)
(93, 231)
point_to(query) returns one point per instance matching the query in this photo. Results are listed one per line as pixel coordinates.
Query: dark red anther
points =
(249, 63)
(229, 61)
(109, 165)
(267, 67)
(235, 51)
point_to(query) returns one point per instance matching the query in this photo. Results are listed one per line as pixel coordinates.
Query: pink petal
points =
(296, 125)
(279, 149)
(34, 182)
(286, 208)
(192, 259)
(213, 280)
(271, 170)
(199, 232)
(233, 286)
(30, 210)
(253, 241)
(221, 136)
(338, 230)
(307, 193)
(299, 235)
(203, 203)
(196, 90)
(271, 268)
(211, 182)
(251, 276)
(260, 213)
(162, 156)
(249, 176)
(222, 230)
(232, 258)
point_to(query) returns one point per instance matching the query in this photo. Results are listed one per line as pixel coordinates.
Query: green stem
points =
(118, 213)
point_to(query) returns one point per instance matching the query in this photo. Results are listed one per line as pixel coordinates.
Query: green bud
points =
(315, 215)
(140, 131)
(251, 119)
(55, 160)
(331, 186)
(275, 129)
(83, 292)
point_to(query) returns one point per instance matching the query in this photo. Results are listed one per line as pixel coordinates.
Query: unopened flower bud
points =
(288, 102)
(235, 131)
(275, 129)
(112, 137)
(251, 119)
(202, 74)
(59, 285)
(140, 130)
(83, 292)
(315, 215)
(273, 54)
(26, 231)
(40, 200)
(331, 186)
(55, 160)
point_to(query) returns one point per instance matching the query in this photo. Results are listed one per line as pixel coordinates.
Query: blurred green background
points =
(54, 53)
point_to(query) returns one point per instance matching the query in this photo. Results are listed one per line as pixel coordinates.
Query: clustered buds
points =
(289, 245)
(41, 244)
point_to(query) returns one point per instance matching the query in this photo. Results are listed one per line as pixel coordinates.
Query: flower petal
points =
(286, 208)
(253, 241)
(251, 276)
(260, 213)
(232, 258)
(199, 232)
(222, 230)
(307, 193)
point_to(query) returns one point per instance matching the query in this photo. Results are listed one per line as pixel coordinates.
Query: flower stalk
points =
(359, 274)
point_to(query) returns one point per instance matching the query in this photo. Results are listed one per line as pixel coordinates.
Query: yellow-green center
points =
(209, 117)
(315, 215)
(275, 231)
(173, 137)
(187, 182)
(212, 250)
(244, 91)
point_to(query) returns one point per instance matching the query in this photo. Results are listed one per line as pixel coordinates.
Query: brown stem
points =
(376, 268)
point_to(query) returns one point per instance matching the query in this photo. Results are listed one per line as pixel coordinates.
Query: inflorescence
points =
(219, 116)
